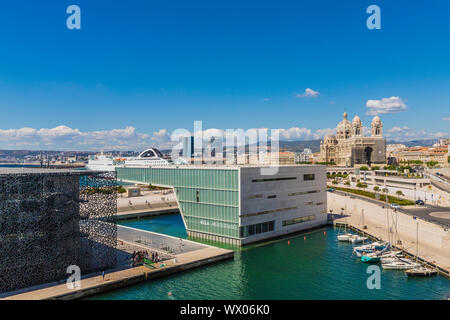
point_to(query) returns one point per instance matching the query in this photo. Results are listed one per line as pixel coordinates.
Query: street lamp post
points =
(415, 204)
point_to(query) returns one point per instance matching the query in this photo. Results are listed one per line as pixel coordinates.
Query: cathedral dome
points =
(356, 120)
(344, 125)
(376, 119)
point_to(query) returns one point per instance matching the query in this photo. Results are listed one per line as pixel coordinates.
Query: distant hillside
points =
(413, 143)
(294, 146)
(298, 146)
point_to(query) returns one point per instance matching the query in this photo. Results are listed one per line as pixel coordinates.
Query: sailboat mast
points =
(417, 239)
(387, 211)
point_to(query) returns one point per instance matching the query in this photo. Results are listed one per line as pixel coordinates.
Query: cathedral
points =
(349, 147)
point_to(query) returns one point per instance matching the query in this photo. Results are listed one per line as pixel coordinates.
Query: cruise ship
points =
(147, 158)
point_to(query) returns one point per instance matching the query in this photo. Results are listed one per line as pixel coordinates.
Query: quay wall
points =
(140, 276)
(434, 240)
(429, 233)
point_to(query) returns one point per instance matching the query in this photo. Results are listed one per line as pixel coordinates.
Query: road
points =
(424, 212)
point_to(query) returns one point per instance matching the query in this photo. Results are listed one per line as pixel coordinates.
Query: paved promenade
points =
(426, 212)
(177, 255)
(148, 205)
(114, 280)
(150, 200)
(434, 240)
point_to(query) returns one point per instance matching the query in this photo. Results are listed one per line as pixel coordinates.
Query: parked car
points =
(330, 190)
(395, 206)
(420, 202)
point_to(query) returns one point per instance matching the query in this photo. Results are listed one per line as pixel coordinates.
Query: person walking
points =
(103, 275)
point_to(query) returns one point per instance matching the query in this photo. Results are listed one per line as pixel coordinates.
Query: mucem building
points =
(51, 219)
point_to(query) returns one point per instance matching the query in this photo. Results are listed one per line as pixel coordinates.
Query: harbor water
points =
(312, 265)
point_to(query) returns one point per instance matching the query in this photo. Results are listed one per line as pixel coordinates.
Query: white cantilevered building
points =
(239, 204)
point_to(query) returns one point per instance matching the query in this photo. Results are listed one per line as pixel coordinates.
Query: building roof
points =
(22, 170)
(221, 166)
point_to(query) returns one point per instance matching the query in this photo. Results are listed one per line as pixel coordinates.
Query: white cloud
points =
(309, 93)
(294, 133)
(66, 138)
(446, 118)
(405, 133)
(385, 106)
(321, 133)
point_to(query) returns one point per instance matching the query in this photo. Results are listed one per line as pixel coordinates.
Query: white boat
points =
(147, 158)
(368, 248)
(358, 239)
(345, 237)
(421, 272)
(400, 264)
(391, 256)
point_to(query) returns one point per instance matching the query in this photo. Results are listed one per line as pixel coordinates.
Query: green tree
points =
(121, 189)
(399, 193)
(361, 185)
(347, 183)
(335, 182)
(432, 163)
(364, 168)
(376, 188)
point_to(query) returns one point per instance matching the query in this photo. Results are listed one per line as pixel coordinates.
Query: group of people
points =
(139, 256)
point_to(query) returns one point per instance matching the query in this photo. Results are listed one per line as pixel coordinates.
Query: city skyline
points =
(135, 73)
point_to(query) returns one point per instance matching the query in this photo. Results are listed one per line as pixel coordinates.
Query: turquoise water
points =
(171, 225)
(316, 268)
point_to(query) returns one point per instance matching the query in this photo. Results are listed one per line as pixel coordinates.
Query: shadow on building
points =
(53, 219)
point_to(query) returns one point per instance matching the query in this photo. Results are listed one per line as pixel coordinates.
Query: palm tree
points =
(399, 193)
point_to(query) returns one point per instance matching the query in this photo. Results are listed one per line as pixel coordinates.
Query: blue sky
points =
(137, 67)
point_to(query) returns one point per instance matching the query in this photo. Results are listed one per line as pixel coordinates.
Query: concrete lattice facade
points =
(52, 219)
(238, 204)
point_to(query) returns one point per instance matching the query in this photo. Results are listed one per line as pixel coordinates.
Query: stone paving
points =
(122, 278)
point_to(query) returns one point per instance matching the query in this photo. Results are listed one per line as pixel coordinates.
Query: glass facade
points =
(257, 228)
(208, 198)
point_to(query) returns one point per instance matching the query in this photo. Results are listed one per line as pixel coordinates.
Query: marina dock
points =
(441, 269)
(371, 219)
